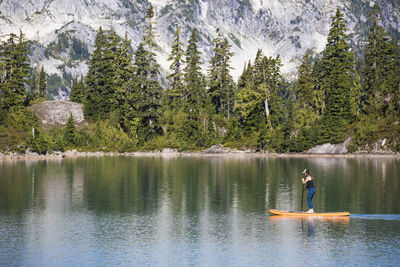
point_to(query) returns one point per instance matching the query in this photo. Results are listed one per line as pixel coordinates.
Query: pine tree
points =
(338, 69)
(42, 84)
(37, 141)
(78, 91)
(175, 90)
(15, 65)
(70, 131)
(98, 78)
(221, 85)
(124, 92)
(304, 85)
(306, 95)
(193, 78)
(150, 45)
(378, 68)
(146, 89)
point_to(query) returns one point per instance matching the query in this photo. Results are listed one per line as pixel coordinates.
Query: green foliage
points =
(69, 132)
(338, 69)
(14, 66)
(38, 142)
(42, 84)
(175, 90)
(77, 91)
(55, 139)
(109, 136)
(221, 86)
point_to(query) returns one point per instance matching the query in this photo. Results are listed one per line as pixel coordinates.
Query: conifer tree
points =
(304, 85)
(42, 84)
(221, 85)
(193, 78)
(175, 90)
(338, 70)
(15, 64)
(150, 45)
(124, 91)
(77, 91)
(378, 70)
(148, 92)
(307, 96)
(37, 141)
(70, 132)
(99, 78)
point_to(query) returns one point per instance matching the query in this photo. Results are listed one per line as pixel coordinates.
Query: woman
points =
(311, 189)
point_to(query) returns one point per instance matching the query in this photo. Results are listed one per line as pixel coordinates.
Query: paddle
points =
(302, 194)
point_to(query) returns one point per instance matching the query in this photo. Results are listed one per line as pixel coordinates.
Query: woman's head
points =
(306, 171)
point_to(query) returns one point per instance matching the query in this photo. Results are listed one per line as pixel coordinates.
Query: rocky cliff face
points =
(65, 30)
(53, 113)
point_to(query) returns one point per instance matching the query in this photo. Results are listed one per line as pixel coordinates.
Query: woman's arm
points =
(306, 180)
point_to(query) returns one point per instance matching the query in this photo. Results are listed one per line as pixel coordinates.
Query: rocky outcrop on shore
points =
(330, 148)
(57, 112)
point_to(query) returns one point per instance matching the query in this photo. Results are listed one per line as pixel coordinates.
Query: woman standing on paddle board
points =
(311, 189)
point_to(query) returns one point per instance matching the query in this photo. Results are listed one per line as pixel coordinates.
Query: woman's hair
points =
(306, 171)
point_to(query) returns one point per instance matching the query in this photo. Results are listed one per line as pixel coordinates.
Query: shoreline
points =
(176, 154)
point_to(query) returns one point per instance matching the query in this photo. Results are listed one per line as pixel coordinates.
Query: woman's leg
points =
(310, 196)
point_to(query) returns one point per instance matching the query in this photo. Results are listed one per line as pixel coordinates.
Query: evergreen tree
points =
(193, 78)
(304, 85)
(378, 70)
(78, 91)
(70, 132)
(37, 141)
(15, 72)
(307, 96)
(125, 92)
(338, 70)
(150, 45)
(99, 78)
(42, 84)
(317, 80)
(221, 85)
(175, 91)
(147, 91)
(101, 97)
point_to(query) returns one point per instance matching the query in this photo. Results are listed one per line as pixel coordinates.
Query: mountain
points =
(62, 32)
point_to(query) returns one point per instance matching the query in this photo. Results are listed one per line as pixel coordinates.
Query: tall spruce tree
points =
(147, 90)
(42, 84)
(304, 84)
(259, 104)
(70, 131)
(221, 85)
(77, 91)
(99, 80)
(193, 78)
(338, 72)
(175, 90)
(306, 95)
(378, 70)
(15, 64)
(150, 45)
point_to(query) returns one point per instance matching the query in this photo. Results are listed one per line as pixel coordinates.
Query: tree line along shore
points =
(131, 106)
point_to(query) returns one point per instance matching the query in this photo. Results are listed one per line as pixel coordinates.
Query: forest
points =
(338, 94)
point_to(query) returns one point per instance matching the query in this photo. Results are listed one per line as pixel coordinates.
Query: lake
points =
(194, 211)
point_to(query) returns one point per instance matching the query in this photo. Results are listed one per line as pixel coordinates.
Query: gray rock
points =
(217, 149)
(330, 148)
(58, 112)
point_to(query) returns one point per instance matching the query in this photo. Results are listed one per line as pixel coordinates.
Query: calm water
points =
(126, 211)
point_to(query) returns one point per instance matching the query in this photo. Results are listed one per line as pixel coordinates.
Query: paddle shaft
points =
(302, 194)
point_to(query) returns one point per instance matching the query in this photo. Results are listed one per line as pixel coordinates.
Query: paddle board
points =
(297, 213)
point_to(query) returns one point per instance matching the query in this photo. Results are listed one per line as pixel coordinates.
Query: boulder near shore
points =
(57, 112)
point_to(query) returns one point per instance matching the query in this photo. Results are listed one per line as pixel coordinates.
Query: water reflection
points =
(194, 211)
